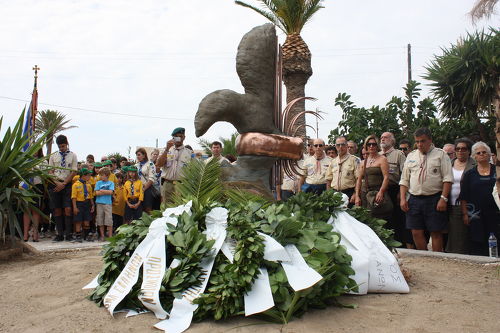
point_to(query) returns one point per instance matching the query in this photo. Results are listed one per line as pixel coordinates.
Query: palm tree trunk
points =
(49, 145)
(296, 72)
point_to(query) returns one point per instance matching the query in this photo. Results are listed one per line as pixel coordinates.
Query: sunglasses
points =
(318, 145)
(404, 148)
(371, 144)
(461, 149)
(340, 144)
(482, 152)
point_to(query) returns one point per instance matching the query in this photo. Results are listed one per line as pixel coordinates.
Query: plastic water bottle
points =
(492, 244)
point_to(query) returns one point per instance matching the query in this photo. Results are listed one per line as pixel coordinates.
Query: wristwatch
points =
(444, 198)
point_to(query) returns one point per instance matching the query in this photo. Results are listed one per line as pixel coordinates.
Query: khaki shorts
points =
(104, 215)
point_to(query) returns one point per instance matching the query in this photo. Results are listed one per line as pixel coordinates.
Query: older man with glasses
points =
(342, 172)
(315, 166)
(396, 159)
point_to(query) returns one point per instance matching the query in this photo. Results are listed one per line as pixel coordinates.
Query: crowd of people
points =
(448, 196)
(446, 199)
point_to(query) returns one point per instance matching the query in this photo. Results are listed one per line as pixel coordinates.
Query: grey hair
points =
(449, 145)
(478, 145)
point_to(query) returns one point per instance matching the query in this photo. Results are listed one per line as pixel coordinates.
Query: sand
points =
(42, 293)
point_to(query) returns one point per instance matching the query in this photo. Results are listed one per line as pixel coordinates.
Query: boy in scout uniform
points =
(171, 161)
(315, 166)
(83, 205)
(427, 176)
(66, 164)
(342, 172)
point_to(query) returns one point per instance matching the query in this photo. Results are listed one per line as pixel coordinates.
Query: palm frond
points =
(200, 183)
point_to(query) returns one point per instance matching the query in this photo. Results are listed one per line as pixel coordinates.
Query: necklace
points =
(483, 171)
(371, 160)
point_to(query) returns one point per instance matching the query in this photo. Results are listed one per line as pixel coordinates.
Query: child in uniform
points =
(133, 195)
(103, 193)
(118, 202)
(83, 205)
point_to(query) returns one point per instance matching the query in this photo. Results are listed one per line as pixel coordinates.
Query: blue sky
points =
(157, 59)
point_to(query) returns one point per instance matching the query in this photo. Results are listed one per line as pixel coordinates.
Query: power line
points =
(97, 111)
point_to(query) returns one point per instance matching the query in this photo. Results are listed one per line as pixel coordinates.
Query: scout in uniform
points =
(342, 172)
(66, 164)
(83, 205)
(171, 161)
(133, 195)
(314, 177)
(118, 209)
(427, 176)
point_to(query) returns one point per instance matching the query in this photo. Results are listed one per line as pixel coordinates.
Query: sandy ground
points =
(43, 294)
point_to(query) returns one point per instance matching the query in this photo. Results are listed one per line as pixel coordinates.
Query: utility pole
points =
(409, 63)
(156, 142)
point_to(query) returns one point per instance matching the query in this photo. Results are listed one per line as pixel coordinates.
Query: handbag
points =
(378, 209)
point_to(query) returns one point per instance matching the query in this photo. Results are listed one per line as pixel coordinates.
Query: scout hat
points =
(132, 168)
(178, 130)
(85, 171)
(106, 163)
(97, 165)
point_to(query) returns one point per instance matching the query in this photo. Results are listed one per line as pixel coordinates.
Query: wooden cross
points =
(36, 68)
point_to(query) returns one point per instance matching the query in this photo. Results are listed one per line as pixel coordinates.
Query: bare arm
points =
(302, 179)
(402, 200)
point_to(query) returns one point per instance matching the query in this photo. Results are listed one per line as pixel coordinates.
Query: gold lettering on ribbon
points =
(152, 274)
(124, 279)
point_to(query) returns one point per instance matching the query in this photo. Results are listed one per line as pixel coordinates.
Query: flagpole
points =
(34, 99)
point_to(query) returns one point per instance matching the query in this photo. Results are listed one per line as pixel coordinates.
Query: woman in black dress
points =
(479, 210)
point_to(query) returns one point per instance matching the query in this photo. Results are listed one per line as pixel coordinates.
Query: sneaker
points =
(69, 238)
(58, 238)
(77, 239)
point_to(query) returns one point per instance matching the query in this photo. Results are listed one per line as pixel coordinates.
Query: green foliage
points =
(301, 221)
(17, 166)
(402, 116)
(288, 15)
(116, 155)
(465, 77)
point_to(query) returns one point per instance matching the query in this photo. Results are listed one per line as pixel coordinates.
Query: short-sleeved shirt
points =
(315, 170)
(78, 192)
(119, 200)
(146, 171)
(176, 159)
(104, 185)
(424, 174)
(70, 162)
(396, 159)
(342, 172)
(133, 190)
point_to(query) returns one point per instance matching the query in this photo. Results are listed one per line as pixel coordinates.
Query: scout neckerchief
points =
(63, 158)
(422, 175)
(85, 190)
(141, 164)
(341, 161)
(132, 188)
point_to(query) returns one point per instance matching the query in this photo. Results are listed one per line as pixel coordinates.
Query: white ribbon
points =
(183, 308)
(151, 254)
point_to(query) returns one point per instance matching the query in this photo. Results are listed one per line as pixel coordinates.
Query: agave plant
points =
(16, 167)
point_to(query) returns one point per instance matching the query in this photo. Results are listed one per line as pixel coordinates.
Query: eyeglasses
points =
(371, 144)
(403, 148)
(482, 152)
(340, 144)
(318, 145)
(461, 149)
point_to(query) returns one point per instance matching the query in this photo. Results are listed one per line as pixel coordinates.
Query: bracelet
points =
(444, 198)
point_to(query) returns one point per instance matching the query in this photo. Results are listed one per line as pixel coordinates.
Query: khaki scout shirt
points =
(424, 174)
(176, 159)
(71, 161)
(396, 159)
(342, 172)
(315, 170)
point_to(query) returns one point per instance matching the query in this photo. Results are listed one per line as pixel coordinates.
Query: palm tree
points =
(482, 8)
(465, 79)
(53, 122)
(290, 16)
